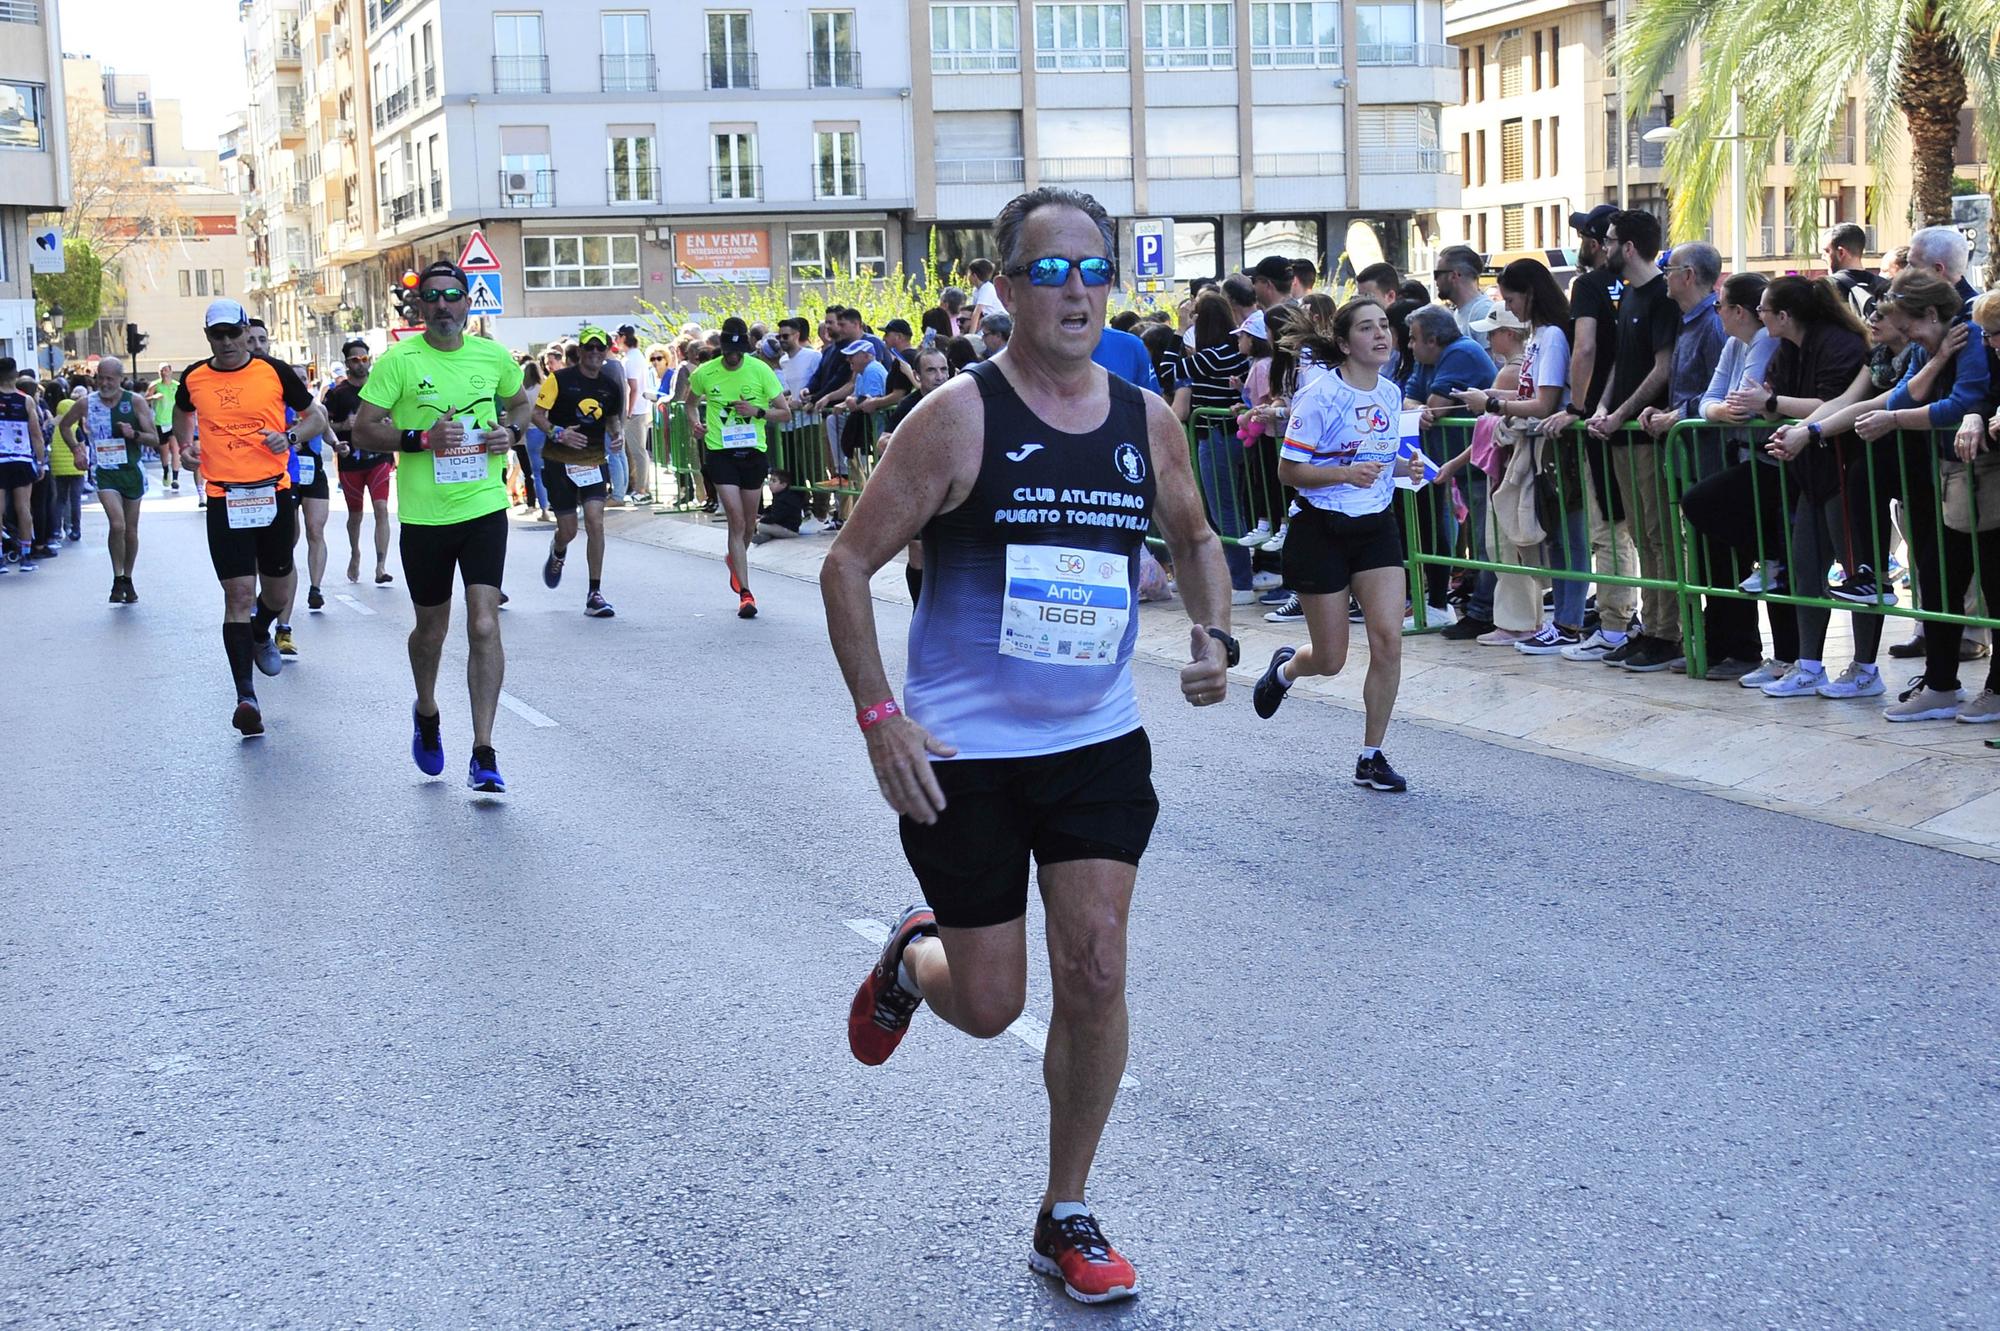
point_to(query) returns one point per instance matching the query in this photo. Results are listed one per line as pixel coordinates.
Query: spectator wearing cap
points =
(1457, 277)
(834, 383)
(994, 331)
(901, 360)
(1379, 282)
(1506, 345)
(1271, 281)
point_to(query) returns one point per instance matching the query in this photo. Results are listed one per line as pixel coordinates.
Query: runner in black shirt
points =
(360, 471)
(579, 408)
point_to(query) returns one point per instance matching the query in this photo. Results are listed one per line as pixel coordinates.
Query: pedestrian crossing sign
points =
(485, 294)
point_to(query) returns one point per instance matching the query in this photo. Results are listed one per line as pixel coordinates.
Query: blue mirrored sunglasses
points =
(1053, 271)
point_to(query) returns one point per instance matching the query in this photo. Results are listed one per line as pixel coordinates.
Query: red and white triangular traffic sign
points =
(478, 256)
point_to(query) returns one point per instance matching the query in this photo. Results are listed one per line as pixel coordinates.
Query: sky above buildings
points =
(193, 49)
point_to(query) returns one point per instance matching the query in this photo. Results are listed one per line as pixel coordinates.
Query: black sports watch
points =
(1233, 648)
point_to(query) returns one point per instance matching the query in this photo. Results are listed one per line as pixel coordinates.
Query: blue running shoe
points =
(426, 742)
(484, 773)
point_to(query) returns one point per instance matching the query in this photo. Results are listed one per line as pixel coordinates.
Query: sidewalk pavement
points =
(1932, 783)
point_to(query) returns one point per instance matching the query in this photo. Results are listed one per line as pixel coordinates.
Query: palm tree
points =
(1788, 64)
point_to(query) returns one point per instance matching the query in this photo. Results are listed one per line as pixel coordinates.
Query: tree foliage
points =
(1789, 64)
(115, 203)
(79, 288)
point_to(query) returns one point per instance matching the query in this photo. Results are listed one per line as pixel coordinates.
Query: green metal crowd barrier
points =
(799, 448)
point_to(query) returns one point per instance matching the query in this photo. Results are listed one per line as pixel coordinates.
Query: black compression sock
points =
(236, 642)
(594, 584)
(914, 578)
(260, 621)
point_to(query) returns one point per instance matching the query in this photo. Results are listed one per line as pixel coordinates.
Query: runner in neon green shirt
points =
(453, 406)
(738, 401)
(161, 395)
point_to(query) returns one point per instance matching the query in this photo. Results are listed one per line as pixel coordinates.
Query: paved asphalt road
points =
(291, 1037)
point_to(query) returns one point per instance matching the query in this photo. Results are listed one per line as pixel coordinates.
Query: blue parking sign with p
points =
(1152, 254)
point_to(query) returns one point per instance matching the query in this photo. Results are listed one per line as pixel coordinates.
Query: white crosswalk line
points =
(352, 604)
(1029, 1029)
(525, 712)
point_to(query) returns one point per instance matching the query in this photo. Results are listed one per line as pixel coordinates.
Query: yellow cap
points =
(592, 333)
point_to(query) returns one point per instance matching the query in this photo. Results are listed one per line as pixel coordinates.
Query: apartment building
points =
(165, 276)
(649, 151)
(1537, 130)
(34, 157)
(1294, 126)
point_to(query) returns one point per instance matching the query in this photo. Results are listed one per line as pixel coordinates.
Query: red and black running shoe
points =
(882, 1009)
(746, 606)
(1075, 1251)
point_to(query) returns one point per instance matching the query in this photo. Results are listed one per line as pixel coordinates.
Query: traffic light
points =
(406, 299)
(135, 341)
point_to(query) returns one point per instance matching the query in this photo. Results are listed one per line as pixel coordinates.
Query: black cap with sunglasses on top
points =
(1275, 270)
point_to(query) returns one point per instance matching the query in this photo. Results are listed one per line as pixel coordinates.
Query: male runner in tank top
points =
(1033, 480)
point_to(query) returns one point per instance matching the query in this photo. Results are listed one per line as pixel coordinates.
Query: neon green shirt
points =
(420, 385)
(718, 386)
(163, 407)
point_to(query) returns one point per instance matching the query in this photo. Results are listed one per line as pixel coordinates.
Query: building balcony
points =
(1308, 165)
(437, 193)
(833, 69)
(1058, 170)
(1089, 60)
(1295, 57)
(729, 69)
(1426, 55)
(735, 184)
(628, 73)
(20, 11)
(1212, 167)
(1408, 162)
(256, 277)
(398, 209)
(520, 74)
(631, 186)
(981, 171)
(301, 195)
(527, 189)
(396, 105)
(839, 180)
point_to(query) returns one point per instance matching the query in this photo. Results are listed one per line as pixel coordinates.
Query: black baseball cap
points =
(1596, 223)
(897, 326)
(1275, 270)
(445, 268)
(735, 335)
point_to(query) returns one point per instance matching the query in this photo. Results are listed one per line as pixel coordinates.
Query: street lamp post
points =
(1739, 243)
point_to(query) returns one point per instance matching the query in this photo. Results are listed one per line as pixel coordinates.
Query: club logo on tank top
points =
(1131, 463)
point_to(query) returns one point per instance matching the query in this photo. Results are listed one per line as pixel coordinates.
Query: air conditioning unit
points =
(518, 183)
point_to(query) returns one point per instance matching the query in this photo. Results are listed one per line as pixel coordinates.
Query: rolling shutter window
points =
(1513, 227)
(1511, 60)
(1510, 150)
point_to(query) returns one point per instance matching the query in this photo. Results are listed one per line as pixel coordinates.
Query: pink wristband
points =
(870, 717)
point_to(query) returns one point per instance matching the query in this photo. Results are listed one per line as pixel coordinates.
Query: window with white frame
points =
(1188, 35)
(816, 254)
(1386, 34)
(837, 162)
(733, 172)
(579, 263)
(731, 61)
(1294, 33)
(628, 51)
(975, 39)
(634, 171)
(1080, 36)
(520, 61)
(832, 61)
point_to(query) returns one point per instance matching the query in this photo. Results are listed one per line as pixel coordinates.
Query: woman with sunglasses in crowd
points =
(1342, 454)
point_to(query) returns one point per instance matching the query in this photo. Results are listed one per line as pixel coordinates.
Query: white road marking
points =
(1029, 1029)
(352, 604)
(525, 712)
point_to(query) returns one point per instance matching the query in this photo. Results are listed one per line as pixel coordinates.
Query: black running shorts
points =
(242, 552)
(1324, 550)
(744, 468)
(317, 488)
(475, 548)
(566, 495)
(1092, 803)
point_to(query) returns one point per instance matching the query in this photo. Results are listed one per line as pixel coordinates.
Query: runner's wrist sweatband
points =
(413, 441)
(870, 717)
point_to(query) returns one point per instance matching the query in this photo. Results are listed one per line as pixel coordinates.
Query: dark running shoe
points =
(118, 591)
(1467, 629)
(1624, 651)
(1861, 587)
(248, 718)
(1291, 612)
(1269, 693)
(483, 774)
(266, 656)
(1376, 774)
(552, 567)
(314, 601)
(426, 742)
(880, 1014)
(597, 607)
(1075, 1251)
(746, 606)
